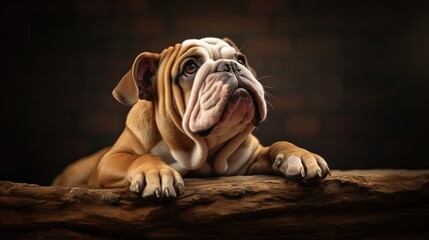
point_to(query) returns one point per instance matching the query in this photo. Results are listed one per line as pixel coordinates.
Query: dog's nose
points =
(228, 66)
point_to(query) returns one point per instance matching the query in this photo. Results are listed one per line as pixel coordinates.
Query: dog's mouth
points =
(241, 93)
(241, 107)
(224, 103)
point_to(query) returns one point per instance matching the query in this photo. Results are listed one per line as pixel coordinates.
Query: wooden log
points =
(365, 204)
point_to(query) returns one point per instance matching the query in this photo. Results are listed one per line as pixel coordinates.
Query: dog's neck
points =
(221, 135)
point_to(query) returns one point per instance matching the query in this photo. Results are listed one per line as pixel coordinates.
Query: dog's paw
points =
(162, 183)
(299, 164)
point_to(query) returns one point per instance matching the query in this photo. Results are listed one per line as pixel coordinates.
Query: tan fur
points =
(80, 171)
(154, 151)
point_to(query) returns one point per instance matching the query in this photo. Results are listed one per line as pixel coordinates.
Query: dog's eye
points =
(241, 59)
(190, 67)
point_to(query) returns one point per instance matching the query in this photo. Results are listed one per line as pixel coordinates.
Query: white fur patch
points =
(238, 159)
(162, 151)
(216, 48)
(193, 159)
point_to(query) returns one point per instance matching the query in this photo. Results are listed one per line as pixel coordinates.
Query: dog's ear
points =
(232, 44)
(137, 83)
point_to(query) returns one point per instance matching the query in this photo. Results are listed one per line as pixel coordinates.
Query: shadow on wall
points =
(349, 78)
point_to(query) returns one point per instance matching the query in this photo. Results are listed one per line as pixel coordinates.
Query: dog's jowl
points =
(194, 107)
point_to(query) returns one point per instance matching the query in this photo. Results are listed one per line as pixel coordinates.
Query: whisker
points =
(269, 94)
(269, 104)
(263, 77)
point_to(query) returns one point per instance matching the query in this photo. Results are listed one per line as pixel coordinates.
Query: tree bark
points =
(359, 204)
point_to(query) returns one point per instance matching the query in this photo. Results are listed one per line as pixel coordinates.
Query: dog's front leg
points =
(291, 161)
(146, 174)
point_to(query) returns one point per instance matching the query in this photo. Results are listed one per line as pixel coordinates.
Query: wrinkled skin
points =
(195, 106)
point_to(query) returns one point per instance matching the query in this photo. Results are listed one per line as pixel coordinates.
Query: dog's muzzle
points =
(229, 95)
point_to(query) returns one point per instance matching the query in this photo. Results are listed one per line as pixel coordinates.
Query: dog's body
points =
(194, 108)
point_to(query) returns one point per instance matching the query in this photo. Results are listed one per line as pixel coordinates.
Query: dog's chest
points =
(162, 151)
(235, 161)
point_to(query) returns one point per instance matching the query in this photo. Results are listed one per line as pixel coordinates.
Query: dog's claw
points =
(278, 162)
(180, 188)
(167, 192)
(157, 193)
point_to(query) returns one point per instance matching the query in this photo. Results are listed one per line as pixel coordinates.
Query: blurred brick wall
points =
(349, 79)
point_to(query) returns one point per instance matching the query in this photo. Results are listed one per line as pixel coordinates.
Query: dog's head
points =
(206, 86)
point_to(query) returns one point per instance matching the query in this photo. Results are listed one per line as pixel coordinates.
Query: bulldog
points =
(194, 107)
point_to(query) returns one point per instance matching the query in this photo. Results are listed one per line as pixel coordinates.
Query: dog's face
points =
(206, 83)
(224, 96)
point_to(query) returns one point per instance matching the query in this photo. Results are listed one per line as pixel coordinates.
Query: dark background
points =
(349, 78)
